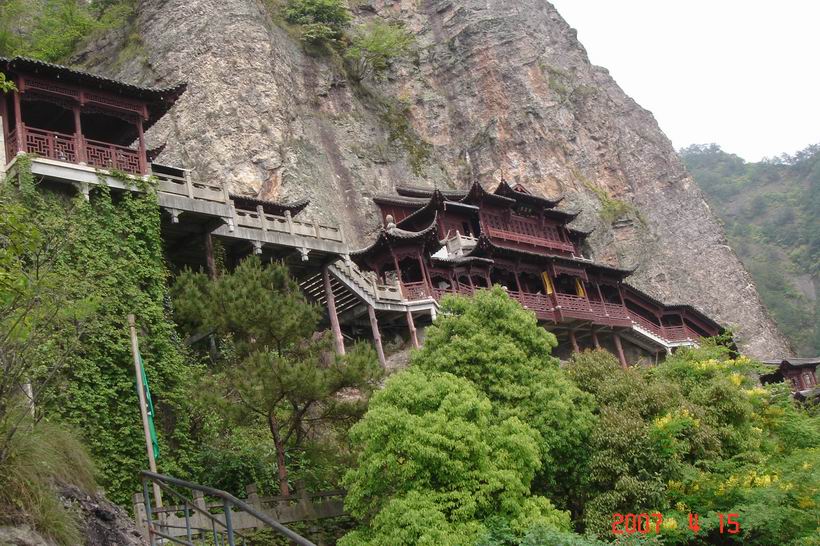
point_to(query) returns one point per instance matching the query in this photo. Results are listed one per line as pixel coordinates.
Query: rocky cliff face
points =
(496, 89)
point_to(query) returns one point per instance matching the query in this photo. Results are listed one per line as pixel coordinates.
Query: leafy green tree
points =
(499, 347)
(320, 19)
(374, 46)
(275, 368)
(436, 461)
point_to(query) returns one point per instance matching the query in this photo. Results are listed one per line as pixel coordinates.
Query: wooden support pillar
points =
(210, 261)
(398, 270)
(414, 338)
(595, 339)
(377, 337)
(574, 341)
(620, 349)
(79, 141)
(517, 281)
(18, 121)
(142, 151)
(424, 276)
(5, 115)
(331, 311)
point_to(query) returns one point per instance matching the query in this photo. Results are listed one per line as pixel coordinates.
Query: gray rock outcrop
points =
(495, 89)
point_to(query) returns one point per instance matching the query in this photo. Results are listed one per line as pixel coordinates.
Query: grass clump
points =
(35, 459)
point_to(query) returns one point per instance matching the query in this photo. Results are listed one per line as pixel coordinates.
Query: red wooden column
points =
(601, 297)
(79, 141)
(142, 151)
(414, 338)
(595, 338)
(517, 281)
(620, 350)
(5, 115)
(331, 311)
(18, 120)
(574, 341)
(377, 337)
(424, 276)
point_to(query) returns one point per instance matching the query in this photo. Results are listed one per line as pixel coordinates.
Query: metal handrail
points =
(229, 500)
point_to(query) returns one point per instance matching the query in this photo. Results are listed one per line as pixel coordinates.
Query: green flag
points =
(150, 410)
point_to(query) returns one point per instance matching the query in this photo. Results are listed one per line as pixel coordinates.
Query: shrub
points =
(374, 46)
(31, 465)
(320, 19)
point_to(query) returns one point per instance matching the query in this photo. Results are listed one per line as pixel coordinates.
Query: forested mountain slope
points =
(771, 210)
(486, 90)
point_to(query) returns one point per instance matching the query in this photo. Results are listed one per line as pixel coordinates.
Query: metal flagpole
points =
(152, 463)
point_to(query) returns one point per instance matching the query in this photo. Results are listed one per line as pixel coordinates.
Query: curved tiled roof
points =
(270, 207)
(418, 191)
(508, 191)
(159, 99)
(390, 235)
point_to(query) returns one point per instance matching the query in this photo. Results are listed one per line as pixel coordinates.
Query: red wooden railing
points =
(111, 156)
(414, 290)
(11, 145)
(576, 306)
(529, 239)
(646, 324)
(605, 313)
(64, 147)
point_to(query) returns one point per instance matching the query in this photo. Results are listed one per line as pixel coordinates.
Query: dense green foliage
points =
(450, 449)
(272, 367)
(437, 461)
(39, 326)
(771, 210)
(109, 259)
(491, 341)
(697, 435)
(475, 441)
(51, 30)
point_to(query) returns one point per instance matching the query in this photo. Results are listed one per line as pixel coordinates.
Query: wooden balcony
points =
(542, 242)
(571, 306)
(74, 148)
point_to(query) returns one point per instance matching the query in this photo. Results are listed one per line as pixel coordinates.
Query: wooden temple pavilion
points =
(81, 130)
(73, 116)
(436, 242)
(801, 373)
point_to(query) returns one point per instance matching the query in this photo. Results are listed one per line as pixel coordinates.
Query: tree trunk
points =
(284, 490)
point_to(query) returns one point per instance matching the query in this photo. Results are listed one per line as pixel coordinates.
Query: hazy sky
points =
(742, 73)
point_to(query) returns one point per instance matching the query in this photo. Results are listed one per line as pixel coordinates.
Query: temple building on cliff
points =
(79, 131)
(435, 243)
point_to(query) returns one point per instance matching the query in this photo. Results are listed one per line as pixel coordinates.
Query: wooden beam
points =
(331, 310)
(620, 349)
(79, 141)
(414, 338)
(574, 341)
(377, 337)
(210, 261)
(595, 339)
